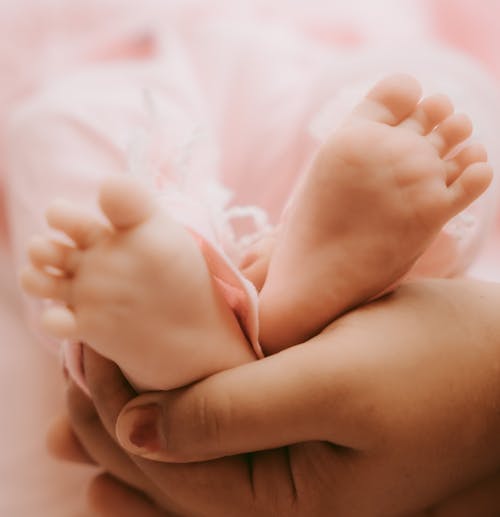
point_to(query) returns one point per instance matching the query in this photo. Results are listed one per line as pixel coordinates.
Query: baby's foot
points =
(378, 193)
(138, 291)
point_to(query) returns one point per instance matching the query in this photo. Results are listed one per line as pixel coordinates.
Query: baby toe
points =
(125, 201)
(59, 322)
(469, 185)
(80, 226)
(428, 114)
(45, 253)
(44, 285)
(451, 132)
(473, 153)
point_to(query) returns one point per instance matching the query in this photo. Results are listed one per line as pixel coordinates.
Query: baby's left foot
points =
(137, 290)
(378, 193)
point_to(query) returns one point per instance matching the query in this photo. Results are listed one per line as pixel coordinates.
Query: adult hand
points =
(109, 497)
(121, 489)
(396, 403)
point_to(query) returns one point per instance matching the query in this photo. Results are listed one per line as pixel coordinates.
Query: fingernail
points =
(138, 429)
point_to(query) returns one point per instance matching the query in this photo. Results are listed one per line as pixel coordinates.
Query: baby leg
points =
(378, 193)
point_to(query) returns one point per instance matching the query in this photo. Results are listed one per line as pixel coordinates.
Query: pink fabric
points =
(192, 130)
(31, 388)
(196, 92)
(472, 28)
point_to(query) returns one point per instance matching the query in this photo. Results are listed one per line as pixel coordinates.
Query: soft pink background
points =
(31, 484)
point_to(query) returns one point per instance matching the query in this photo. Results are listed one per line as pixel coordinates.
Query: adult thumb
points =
(295, 396)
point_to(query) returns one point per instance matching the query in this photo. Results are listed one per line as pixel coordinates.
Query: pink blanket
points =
(53, 48)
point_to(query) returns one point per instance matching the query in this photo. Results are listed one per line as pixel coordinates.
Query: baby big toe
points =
(125, 201)
(59, 322)
(390, 100)
(45, 253)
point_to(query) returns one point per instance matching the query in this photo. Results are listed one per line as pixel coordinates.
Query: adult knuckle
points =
(198, 431)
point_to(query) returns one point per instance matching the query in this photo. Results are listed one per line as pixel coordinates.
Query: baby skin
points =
(137, 288)
(379, 191)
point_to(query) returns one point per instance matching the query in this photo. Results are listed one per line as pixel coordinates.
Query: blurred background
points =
(44, 39)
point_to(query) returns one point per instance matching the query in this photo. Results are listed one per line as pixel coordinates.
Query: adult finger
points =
(63, 444)
(304, 393)
(108, 497)
(109, 389)
(203, 488)
(96, 441)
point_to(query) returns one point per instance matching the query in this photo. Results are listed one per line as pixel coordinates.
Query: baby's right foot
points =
(378, 193)
(138, 291)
